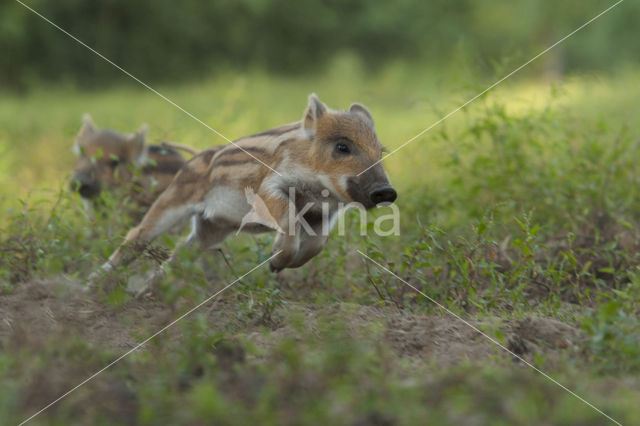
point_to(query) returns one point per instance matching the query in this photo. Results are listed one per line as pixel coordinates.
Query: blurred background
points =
(525, 204)
(246, 65)
(159, 41)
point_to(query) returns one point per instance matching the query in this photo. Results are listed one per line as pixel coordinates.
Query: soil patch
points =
(41, 310)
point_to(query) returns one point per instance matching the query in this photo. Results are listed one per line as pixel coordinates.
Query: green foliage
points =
(44, 236)
(508, 212)
(614, 329)
(157, 41)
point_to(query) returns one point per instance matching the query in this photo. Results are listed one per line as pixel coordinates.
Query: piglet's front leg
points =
(287, 248)
(287, 241)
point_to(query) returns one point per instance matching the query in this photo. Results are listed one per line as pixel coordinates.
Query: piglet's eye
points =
(342, 148)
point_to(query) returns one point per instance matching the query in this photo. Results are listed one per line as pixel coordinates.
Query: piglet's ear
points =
(363, 112)
(138, 140)
(315, 110)
(142, 132)
(87, 128)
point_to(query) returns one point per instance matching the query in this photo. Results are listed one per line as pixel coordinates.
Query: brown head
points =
(344, 144)
(106, 158)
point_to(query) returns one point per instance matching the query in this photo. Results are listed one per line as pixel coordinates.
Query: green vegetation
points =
(520, 214)
(159, 42)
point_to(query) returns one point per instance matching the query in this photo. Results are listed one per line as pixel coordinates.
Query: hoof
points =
(274, 268)
(99, 274)
(94, 278)
(138, 285)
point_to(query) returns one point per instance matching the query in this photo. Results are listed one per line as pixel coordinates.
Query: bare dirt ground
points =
(42, 310)
(41, 319)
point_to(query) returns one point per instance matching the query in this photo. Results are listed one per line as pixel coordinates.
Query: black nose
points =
(85, 189)
(89, 190)
(385, 194)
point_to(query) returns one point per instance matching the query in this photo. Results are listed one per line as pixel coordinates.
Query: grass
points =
(520, 214)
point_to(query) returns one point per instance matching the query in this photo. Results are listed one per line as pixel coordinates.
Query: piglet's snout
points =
(86, 187)
(383, 194)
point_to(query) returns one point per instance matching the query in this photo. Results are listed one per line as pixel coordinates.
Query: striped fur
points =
(108, 159)
(303, 169)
